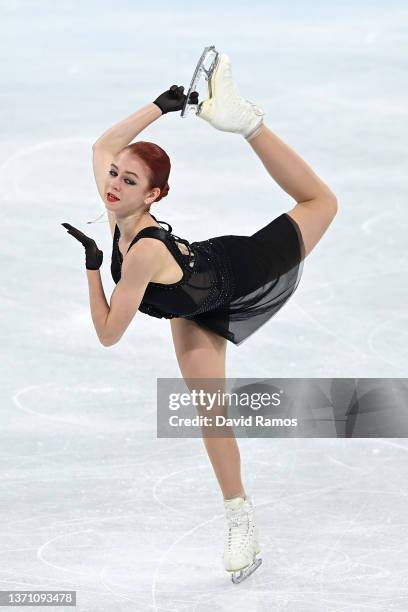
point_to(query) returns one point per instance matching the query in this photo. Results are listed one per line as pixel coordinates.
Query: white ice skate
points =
(241, 546)
(225, 109)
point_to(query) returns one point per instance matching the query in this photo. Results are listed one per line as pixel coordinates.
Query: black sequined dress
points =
(231, 284)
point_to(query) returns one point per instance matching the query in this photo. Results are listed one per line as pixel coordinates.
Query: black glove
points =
(94, 256)
(173, 99)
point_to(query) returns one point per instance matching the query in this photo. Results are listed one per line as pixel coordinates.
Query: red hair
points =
(157, 162)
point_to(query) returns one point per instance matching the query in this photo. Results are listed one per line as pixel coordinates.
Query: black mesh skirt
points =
(266, 269)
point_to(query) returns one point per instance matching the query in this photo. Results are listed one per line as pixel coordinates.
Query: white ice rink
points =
(90, 499)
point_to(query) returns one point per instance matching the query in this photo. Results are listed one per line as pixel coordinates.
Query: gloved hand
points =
(93, 256)
(173, 99)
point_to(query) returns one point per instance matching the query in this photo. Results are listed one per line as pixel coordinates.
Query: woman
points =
(215, 290)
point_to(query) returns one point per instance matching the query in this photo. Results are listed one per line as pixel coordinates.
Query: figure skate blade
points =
(205, 68)
(239, 576)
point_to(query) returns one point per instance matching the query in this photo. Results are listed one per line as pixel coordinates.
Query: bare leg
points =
(225, 459)
(285, 166)
(316, 205)
(202, 354)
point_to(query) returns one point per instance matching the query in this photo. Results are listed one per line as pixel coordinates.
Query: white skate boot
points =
(225, 108)
(241, 546)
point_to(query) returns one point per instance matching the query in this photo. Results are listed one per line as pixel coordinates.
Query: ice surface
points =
(90, 499)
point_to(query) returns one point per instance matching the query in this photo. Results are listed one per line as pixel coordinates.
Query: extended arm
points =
(122, 133)
(113, 140)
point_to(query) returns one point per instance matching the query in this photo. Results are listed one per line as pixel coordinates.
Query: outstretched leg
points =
(286, 167)
(226, 110)
(317, 205)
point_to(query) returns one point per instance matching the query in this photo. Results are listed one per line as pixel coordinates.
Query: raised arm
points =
(122, 133)
(115, 139)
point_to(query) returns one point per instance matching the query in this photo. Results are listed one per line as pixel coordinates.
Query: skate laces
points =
(238, 526)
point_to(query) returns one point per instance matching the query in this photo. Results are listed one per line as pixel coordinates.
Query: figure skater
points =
(219, 289)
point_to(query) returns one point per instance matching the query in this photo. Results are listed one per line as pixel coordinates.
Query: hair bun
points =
(163, 192)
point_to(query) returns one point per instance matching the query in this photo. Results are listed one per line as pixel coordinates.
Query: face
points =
(127, 179)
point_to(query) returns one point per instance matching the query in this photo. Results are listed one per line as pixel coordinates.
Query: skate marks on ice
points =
(87, 574)
(100, 551)
(94, 407)
(328, 517)
(389, 342)
(355, 547)
(373, 285)
(337, 546)
(60, 184)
